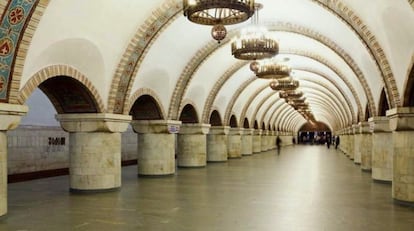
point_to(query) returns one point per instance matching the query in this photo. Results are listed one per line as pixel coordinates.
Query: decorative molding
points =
(145, 91)
(58, 70)
(135, 53)
(344, 13)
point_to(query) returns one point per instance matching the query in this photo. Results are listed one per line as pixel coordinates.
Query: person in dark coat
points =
(337, 141)
(278, 142)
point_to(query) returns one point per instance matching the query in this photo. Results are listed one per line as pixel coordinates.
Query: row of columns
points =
(95, 147)
(384, 146)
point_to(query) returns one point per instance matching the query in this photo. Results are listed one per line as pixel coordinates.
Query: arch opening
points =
(188, 115)
(215, 119)
(68, 95)
(146, 108)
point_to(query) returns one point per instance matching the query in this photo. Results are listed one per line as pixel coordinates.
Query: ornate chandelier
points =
(290, 94)
(272, 70)
(254, 42)
(287, 84)
(218, 13)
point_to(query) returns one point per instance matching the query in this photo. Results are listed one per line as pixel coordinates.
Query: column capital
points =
(94, 122)
(219, 130)
(10, 115)
(236, 131)
(401, 118)
(379, 124)
(156, 126)
(364, 127)
(257, 132)
(248, 131)
(355, 129)
(194, 128)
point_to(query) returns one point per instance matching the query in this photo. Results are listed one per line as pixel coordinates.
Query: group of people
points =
(335, 140)
(329, 140)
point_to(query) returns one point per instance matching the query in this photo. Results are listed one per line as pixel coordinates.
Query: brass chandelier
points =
(287, 84)
(254, 42)
(290, 94)
(272, 70)
(218, 13)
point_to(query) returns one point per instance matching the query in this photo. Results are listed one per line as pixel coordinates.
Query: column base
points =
(93, 191)
(382, 181)
(191, 167)
(156, 176)
(216, 161)
(235, 157)
(404, 203)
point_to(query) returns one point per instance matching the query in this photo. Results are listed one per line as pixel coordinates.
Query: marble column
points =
(247, 142)
(272, 140)
(402, 125)
(351, 143)
(234, 143)
(192, 145)
(365, 146)
(156, 146)
(94, 150)
(10, 115)
(344, 141)
(257, 141)
(357, 143)
(217, 144)
(263, 145)
(382, 149)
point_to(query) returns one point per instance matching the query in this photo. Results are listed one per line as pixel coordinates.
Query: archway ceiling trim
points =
(309, 56)
(279, 112)
(298, 53)
(273, 116)
(136, 51)
(283, 115)
(218, 85)
(324, 107)
(273, 105)
(241, 65)
(347, 15)
(352, 65)
(286, 121)
(59, 70)
(311, 88)
(150, 92)
(347, 100)
(330, 92)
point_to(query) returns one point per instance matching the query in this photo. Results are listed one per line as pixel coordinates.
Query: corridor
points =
(304, 188)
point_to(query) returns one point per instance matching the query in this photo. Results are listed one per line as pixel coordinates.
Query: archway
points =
(314, 133)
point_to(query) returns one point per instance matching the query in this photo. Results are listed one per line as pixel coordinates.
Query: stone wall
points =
(40, 148)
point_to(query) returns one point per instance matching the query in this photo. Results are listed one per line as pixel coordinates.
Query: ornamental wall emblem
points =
(6, 46)
(2, 84)
(16, 15)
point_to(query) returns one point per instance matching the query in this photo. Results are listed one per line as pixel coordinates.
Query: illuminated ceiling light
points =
(218, 13)
(290, 94)
(254, 42)
(270, 69)
(284, 84)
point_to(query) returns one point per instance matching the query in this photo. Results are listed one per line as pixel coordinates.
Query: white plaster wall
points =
(104, 27)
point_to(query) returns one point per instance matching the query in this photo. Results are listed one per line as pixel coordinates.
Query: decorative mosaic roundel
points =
(16, 15)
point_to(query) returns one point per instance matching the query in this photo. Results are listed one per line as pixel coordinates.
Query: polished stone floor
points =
(305, 188)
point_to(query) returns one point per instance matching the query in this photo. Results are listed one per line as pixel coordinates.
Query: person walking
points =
(278, 142)
(337, 141)
(328, 141)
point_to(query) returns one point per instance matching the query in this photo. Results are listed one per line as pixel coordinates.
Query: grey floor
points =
(305, 188)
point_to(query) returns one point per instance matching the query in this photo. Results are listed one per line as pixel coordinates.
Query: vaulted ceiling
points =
(343, 52)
